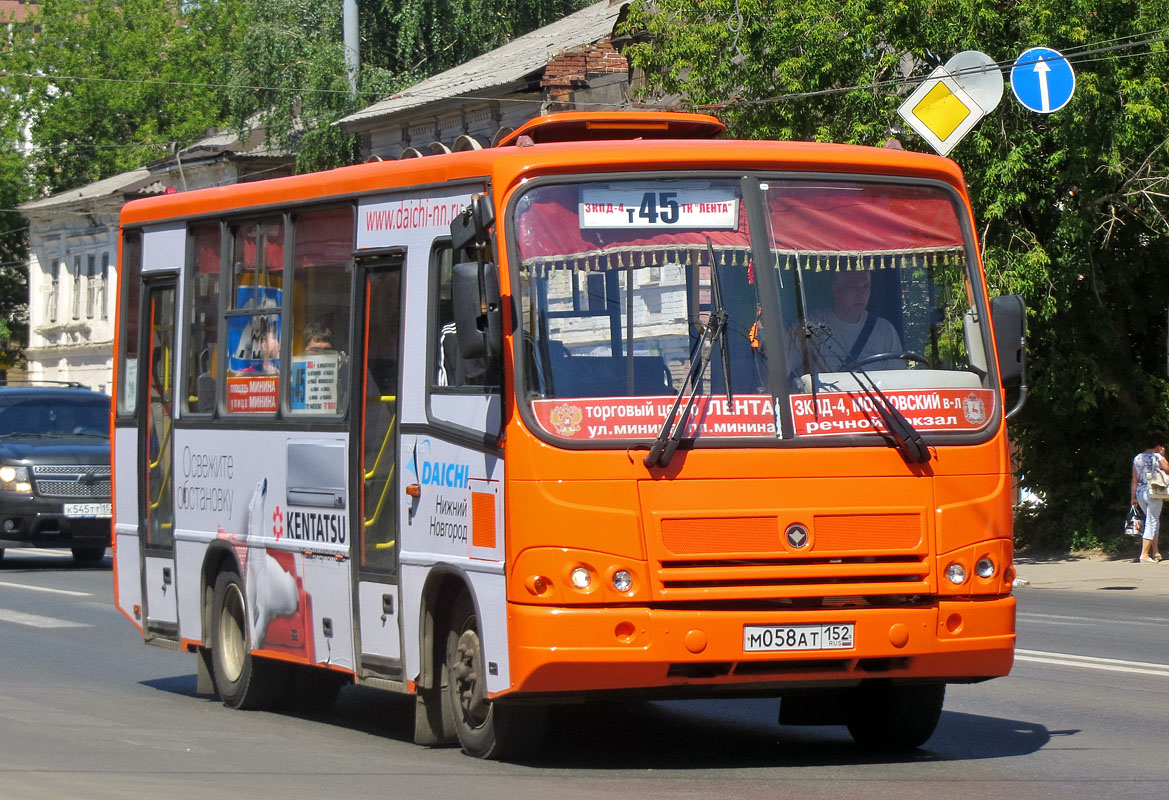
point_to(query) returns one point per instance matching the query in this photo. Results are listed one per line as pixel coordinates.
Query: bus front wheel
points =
(485, 729)
(241, 679)
(892, 718)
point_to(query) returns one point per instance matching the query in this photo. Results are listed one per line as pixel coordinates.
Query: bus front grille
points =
(736, 558)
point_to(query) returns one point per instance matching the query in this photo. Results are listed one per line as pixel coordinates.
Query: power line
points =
(1076, 58)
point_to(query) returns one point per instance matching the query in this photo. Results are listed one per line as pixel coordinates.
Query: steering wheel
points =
(908, 357)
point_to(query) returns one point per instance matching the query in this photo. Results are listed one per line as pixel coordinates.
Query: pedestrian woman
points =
(1142, 465)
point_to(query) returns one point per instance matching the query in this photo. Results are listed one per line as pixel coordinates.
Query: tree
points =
(1072, 206)
(107, 87)
(289, 75)
(13, 252)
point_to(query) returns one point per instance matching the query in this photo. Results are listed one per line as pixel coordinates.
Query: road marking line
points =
(1092, 662)
(37, 621)
(1101, 620)
(68, 592)
(37, 551)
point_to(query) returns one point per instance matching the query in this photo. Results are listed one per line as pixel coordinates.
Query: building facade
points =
(73, 248)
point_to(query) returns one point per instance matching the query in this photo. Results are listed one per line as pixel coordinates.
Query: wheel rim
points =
(466, 675)
(232, 638)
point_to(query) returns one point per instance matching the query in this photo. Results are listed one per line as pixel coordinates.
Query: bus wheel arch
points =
(485, 728)
(219, 558)
(433, 716)
(241, 679)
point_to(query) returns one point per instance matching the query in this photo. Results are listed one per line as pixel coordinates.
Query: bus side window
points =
(254, 317)
(322, 271)
(449, 368)
(203, 315)
(130, 286)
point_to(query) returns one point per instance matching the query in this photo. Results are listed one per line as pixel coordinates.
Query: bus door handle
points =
(387, 606)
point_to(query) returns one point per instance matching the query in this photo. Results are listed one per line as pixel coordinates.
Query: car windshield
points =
(867, 279)
(54, 416)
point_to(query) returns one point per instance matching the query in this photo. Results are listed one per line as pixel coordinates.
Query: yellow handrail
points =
(377, 512)
(384, 400)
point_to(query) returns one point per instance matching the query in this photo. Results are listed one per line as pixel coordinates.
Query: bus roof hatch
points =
(597, 125)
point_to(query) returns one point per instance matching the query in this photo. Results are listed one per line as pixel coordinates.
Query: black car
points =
(55, 469)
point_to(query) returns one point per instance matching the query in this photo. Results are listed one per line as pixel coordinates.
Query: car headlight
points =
(14, 479)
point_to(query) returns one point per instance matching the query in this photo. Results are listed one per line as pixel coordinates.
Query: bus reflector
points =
(482, 519)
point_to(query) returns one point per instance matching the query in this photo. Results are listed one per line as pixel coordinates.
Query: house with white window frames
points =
(73, 248)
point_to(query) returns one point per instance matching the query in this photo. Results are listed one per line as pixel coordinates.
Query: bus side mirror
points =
(470, 230)
(1009, 318)
(478, 312)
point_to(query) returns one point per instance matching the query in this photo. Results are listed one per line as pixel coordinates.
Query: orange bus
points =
(614, 409)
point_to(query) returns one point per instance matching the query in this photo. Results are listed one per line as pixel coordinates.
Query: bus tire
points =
(485, 729)
(242, 680)
(895, 718)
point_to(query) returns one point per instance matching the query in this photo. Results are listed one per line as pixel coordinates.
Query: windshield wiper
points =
(668, 438)
(806, 328)
(899, 431)
(717, 307)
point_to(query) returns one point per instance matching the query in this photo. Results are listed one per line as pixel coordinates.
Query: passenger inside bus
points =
(318, 338)
(454, 370)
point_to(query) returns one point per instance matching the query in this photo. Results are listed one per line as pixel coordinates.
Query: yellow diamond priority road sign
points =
(941, 111)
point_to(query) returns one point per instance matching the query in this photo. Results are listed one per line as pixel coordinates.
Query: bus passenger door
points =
(156, 463)
(377, 361)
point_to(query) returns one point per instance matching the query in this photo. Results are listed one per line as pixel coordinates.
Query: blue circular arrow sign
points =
(1043, 80)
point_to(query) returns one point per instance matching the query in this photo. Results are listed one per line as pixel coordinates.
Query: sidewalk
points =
(1089, 572)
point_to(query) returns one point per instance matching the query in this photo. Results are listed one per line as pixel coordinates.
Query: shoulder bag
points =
(1158, 482)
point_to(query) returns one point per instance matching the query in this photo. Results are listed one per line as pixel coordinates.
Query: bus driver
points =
(845, 334)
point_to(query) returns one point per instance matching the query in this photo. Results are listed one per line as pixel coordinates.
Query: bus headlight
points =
(984, 568)
(14, 479)
(622, 581)
(956, 574)
(580, 577)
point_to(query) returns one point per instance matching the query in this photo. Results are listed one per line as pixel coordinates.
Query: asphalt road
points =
(87, 711)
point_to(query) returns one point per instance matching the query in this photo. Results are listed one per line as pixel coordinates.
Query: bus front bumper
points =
(564, 651)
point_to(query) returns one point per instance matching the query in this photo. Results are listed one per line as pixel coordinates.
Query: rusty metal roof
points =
(505, 65)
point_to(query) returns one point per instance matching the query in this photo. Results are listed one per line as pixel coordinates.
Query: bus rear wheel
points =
(485, 729)
(895, 718)
(241, 679)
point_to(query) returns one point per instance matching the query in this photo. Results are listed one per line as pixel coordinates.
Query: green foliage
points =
(289, 73)
(1071, 207)
(99, 83)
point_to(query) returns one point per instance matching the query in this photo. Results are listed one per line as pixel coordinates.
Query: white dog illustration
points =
(272, 590)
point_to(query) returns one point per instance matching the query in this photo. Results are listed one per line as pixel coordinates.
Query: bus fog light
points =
(956, 574)
(984, 568)
(580, 577)
(622, 581)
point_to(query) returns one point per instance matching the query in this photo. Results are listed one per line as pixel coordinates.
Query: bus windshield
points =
(868, 285)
